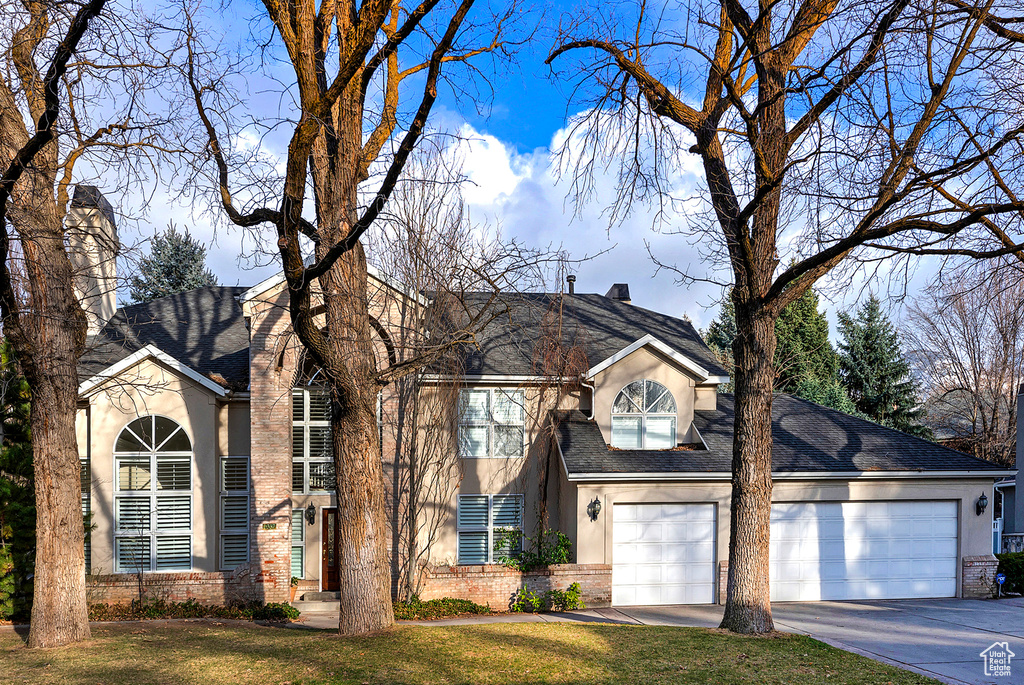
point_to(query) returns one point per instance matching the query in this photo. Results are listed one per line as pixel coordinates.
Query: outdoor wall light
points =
(310, 514)
(981, 504)
(594, 508)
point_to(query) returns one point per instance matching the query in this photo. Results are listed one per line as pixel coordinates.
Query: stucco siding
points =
(595, 537)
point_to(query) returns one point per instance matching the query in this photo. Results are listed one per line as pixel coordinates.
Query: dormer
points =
(645, 396)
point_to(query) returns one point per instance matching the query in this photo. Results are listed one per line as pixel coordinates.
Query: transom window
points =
(153, 497)
(491, 423)
(644, 417)
(312, 458)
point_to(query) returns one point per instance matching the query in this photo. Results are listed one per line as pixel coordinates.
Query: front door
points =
(329, 551)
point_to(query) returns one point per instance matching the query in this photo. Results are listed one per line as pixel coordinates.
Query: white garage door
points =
(663, 554)
(863, 550)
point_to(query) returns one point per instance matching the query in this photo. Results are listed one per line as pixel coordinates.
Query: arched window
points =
(153, 497)
(644, 417)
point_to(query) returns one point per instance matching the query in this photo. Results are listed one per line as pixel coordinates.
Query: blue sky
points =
(507, 156)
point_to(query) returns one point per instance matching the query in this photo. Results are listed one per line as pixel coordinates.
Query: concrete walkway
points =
(940, 638)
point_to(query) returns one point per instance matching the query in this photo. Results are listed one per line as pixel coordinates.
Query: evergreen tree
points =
(17, 508)
(176, 263)
(875, 372)
(805, 360)
(804, 352)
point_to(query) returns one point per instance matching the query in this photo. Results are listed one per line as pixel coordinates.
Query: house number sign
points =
(269, 526)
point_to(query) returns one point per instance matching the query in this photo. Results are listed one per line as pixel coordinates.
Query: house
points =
(203, 437)
(1009, 522)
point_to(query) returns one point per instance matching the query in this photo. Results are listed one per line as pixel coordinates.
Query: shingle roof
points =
(806, 438)
(599, 325)
(202, 328)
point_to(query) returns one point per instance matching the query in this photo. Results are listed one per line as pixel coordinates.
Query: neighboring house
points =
(204, 441)
(1009, 504)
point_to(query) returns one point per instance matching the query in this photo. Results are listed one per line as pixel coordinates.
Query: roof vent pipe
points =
(571, 280)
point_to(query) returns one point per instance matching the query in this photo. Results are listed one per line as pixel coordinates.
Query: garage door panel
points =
(863, 550)
(663, 554)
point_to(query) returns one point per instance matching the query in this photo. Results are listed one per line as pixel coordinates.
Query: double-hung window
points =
(234, 512)
(312, 458)
(480, 519)
(153, 497)
(491, 423)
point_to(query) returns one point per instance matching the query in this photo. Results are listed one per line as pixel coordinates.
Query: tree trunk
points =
(363, 532)
(50, 340)
(747, 607)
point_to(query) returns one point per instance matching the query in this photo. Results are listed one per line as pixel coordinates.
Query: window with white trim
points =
(298, 544)
(152, 497)
(312, 458)
(644, 417)
(479, 518)
(492, 423)
(234, 512)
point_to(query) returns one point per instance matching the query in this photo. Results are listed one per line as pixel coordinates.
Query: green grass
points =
(181, 653)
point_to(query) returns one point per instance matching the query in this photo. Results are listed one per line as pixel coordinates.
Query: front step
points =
(307, 607)
(320, 596)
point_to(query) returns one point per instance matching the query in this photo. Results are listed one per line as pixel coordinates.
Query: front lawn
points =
(180, 653)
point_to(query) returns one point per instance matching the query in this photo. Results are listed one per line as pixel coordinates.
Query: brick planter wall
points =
(206, 588)
(979, 575)
(494, 585)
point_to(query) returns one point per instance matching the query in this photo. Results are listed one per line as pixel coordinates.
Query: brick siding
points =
(979, 575)
(222, 588)
(495, 585)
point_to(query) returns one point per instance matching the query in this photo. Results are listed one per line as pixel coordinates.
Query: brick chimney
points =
(620, 292)
(93, 246)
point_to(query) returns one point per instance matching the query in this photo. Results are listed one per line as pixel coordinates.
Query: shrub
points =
(6, 582)
(1012, 564)
(414, 609)
(569, 599)
(551, 547)
(190, 608)
(525, 602)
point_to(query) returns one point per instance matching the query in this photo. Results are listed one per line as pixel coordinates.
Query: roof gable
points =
(149, 352)
(679, 359)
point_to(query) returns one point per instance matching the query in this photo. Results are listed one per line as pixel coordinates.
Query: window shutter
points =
(173, 513)
(321, 475)
(319, 405)
(234, 513)
(133, 513)
(298, 476)
(235, 476)
(319, 442)
(132, 554)
(298, 442)
(173, 473)
(234, 550)
(473, 547)
(298, 548)
(508, 511)
(298, 411)
(173, 553)
(133, 474)
(473, 511)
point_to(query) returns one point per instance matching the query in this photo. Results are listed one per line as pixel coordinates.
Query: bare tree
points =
(351, 67)
(967, 344)
(71, 105)
(829, 132)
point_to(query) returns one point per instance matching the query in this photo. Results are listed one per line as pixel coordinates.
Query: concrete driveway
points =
(941, 638)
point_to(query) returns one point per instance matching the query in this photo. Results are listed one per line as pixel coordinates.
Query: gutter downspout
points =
(593, 390)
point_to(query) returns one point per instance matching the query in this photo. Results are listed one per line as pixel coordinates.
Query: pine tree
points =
(176, 263)
(804, 352)
(875, 372)
(17, 508)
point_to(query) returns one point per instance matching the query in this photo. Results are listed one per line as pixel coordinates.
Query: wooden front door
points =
(329, 551)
